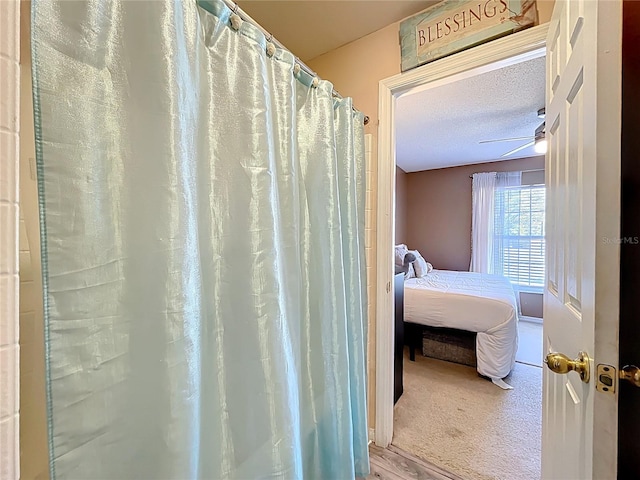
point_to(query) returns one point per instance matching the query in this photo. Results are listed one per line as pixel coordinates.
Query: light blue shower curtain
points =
(202, 211)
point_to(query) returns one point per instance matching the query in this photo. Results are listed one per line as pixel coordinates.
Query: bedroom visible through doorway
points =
(470, 196)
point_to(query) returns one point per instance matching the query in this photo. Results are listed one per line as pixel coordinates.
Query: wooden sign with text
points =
(455, 25)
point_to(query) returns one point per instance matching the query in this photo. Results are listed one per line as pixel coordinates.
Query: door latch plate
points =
(606, 378)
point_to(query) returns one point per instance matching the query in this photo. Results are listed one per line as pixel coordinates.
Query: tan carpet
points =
(463, 423)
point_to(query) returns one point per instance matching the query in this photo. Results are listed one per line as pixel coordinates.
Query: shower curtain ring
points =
(271, 48)
(235, 19)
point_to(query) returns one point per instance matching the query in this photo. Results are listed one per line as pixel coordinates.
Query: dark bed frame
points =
(449, 344)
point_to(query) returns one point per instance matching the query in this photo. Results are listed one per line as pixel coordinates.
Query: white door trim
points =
(499, 53)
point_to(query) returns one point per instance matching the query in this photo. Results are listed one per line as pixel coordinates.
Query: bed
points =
(474, 302)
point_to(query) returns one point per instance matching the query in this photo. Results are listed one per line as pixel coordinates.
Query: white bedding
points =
(476, 302)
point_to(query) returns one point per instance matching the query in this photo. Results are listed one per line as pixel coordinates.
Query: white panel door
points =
(583, 214)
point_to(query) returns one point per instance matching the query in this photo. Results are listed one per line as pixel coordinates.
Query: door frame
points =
(629, 333)
(518, 47)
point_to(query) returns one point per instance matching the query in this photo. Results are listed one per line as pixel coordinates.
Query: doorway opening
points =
(463, 324)
(448, 413)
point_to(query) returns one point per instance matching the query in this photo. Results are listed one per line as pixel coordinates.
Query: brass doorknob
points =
(559, 363)
(631, 373)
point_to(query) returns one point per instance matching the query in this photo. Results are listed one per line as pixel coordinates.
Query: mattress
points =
(477, 302)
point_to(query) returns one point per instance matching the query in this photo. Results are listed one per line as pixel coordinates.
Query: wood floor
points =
(391, 463)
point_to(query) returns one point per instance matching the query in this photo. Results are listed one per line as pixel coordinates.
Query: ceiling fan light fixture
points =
(540, 146)
(537, 141)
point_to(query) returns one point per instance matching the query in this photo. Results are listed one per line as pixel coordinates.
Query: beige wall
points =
(401, 206)
(34, 456)
(355, 70)
(439, 210)
(9, 151)
(545, 9)
(531, 304)
(33, 419)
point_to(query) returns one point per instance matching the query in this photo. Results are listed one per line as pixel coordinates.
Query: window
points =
(518, 252)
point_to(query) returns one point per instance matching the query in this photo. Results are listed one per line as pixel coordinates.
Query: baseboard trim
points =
(525, 318)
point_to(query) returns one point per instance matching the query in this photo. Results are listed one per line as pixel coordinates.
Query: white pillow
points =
(421, 266)
(410, 273)
(400, 251)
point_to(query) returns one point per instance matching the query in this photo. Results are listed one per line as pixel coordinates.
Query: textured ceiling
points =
(310, 28)
(441, 127)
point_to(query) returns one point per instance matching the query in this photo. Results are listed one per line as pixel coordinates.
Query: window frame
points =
(521, 287)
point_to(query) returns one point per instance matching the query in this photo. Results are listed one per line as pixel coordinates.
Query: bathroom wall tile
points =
(8, 305)
(9, 114)
(9, 74)
(9, 375)
(8, 238)
(9, 459)
(8, 170)
(8, 27)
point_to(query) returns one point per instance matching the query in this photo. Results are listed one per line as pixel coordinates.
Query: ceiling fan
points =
(537, 140)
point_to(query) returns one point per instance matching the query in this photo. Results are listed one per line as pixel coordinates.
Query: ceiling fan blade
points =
(521, 147)
(506, 139)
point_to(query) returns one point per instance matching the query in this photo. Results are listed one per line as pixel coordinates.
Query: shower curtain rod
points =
(235, 8)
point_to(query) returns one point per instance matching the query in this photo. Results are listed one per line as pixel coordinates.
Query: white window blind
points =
(518, 252)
